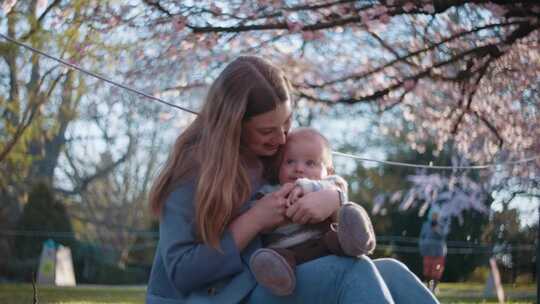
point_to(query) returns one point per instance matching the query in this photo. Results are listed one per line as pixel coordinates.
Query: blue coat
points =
(433, 239)
(186, 271)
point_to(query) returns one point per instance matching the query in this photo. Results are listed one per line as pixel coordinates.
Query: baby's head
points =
(306, 154)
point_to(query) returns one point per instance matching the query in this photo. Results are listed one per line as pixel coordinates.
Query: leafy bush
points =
(43, 218)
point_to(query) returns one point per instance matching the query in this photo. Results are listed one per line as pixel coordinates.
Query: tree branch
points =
(84, 182)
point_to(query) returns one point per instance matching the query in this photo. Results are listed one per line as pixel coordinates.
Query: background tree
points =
(381, 189)
(460, 71)
(56, 122)
(515, 242)
(43, 218)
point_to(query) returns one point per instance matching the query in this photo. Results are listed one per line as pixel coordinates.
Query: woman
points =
(208, 233)
(433, 249)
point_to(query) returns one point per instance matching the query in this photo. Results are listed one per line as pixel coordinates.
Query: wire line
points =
(78, 68)
(156, 99)
(430, 166)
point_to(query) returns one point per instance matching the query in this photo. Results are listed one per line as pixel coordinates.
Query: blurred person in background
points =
(433, 247)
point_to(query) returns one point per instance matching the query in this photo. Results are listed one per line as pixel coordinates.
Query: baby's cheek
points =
(284, 174)
(318, 173)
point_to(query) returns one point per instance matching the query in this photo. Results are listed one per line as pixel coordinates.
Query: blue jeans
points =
(346, 280)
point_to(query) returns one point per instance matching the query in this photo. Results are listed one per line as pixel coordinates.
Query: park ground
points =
(92, 294)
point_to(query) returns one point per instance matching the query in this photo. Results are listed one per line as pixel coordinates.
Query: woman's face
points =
(263, 134)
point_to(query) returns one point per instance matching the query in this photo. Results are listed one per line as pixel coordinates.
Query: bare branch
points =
(84, 182)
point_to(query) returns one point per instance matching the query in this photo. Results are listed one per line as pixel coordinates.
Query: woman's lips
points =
(271, 147)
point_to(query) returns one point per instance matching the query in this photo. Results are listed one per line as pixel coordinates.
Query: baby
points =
(307, 162)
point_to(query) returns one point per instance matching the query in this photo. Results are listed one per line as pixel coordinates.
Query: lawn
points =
(90, 294)
(473, 293)
(87, 294)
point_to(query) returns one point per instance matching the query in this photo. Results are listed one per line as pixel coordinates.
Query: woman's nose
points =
(281, 137)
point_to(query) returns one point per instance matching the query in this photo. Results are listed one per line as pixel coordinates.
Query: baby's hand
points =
(269, 211)
(296, 193)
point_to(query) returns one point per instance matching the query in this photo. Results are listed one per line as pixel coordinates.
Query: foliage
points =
(454, 194)
(41, 215)
(91, 144)
(458, 70)
(460, 264)
(144, 247)
(398, 228)
(461, 74)
(516, 243)
(455, 71)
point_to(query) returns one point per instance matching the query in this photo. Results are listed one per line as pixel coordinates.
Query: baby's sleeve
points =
(309, 185)
(338, 181)
(330, 182)
(333, 181)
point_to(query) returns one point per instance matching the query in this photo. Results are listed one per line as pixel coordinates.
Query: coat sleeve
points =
(190, 264)
(424, 233)
(422, 240)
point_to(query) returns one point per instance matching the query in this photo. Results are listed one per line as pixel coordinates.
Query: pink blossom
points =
(172, 52)
(41, 4)
(80, 49)
(408, 7)
(216, 10)
(165, 116)
(179, 23)
(8, 5)
(379, 10)
(429, 8)
(294, 26)
(73, 60)
(496, 9)
(139, 54)
(385, 19)
(308, 35)
(114, 21)
(409, 84)
(365, 16)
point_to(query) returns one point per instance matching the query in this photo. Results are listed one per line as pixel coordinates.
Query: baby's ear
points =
(330, 170)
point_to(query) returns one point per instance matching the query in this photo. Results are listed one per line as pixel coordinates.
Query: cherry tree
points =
(465, 71)
(459, 73)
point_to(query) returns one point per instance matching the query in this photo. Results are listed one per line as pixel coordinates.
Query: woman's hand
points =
(314, 207)
(269, 211)
(296, 193)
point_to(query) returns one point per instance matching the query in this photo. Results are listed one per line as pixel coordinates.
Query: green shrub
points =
(43, 217)
(479, 275)
(526, 278)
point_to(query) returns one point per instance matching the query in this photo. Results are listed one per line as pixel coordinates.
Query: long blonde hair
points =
(210, 150)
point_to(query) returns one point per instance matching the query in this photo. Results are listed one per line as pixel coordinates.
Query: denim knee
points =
(363, 262)
(392, 269)
(389, 264)
(404, 285)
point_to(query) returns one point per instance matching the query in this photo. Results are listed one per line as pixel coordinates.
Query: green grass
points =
(89, 294)
(474, 293)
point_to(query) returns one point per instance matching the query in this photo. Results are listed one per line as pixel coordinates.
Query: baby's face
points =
(303, 157)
